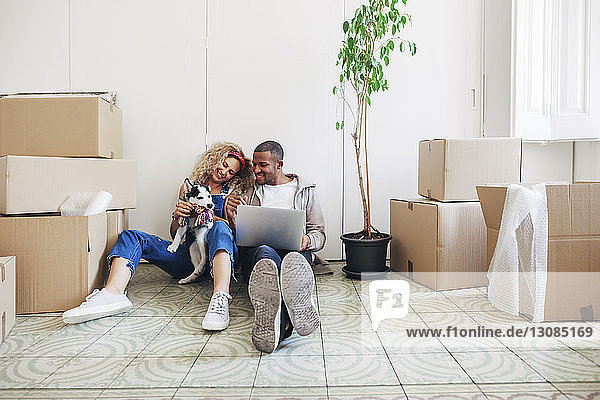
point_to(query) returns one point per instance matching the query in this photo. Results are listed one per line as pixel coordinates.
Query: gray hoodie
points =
(306, 199)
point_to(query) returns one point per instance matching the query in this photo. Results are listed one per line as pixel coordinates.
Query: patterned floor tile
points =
(562, 366)
(338, 307)
(454, 319)
(448, 396)
(175, 346)
(366, 392)
(225, 344)
(185, 326)
(139, 325)
(359, 370)
(432, 302)
(442, 389)
(428, 369)
(496, 367)
(59, 345)
(352, 343)
(39, 324)
(347, 323)
(580, 390)
(13, 394)
(118, 346)
(398, 343)
(312, 393)
(538, 391)
(472, 344)
(400, 325)
(94, 327)
(159, 308)
(20, 373)
(63, 394)
(229, 393)
(86, 373)
(497, 319)
(297, 345)
(222, 372)
(154, 372)
(139, 393)
(287, 371)
(475, 302)
(591, 354)
(16, 343)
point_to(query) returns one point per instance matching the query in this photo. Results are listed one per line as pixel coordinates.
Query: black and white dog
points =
(200, 224)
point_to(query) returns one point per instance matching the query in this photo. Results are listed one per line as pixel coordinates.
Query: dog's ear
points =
(187, 185)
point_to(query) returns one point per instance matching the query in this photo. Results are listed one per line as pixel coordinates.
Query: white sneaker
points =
(217, 315)
(100, 303)
(265, 296)
(297, 284)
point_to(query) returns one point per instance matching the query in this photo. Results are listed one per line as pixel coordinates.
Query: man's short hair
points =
(272, 147)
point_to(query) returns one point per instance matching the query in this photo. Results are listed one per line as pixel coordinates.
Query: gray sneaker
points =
(265, 296)
(217, 315)
(297, 284)
(100, 303)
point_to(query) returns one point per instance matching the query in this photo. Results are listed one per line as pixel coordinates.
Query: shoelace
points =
(217, 303)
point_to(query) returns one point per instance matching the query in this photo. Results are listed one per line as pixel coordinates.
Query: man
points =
(280, 282)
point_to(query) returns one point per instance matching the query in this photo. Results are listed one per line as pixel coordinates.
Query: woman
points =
(224, 169)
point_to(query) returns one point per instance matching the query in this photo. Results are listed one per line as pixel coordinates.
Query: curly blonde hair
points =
(208, 161)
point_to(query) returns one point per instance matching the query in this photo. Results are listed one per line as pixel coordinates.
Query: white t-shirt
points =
(280, 196)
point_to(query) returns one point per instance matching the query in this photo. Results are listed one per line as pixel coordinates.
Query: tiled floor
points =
(159, 350)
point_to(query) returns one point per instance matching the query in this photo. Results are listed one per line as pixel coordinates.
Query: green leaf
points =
(334, 88)
(341, 77)
(346, 26)
(387, 60)
(368, 100)
(342, 125)
(401, 46)
(390, 45)
(393, 29)
(337, 126)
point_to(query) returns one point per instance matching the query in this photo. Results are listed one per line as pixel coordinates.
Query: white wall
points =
(270, 65)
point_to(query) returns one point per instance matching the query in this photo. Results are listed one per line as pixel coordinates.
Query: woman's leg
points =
(221, 248)
(119, 276)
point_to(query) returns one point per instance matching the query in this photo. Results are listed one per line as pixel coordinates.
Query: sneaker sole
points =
(76, 319)
(215, 326)
(265, 296)
(297, 284)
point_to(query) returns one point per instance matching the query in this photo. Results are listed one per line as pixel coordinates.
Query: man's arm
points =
(315, 223)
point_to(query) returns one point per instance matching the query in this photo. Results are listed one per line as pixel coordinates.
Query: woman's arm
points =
(182, 209)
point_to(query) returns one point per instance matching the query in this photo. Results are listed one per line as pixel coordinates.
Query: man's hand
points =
(305, 243)
(231, 204)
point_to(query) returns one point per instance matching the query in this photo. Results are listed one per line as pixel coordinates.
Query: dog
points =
(200, 198)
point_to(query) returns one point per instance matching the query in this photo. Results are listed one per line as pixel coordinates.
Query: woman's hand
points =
(183, 209)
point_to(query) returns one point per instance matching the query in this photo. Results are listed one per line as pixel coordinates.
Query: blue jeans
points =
(133, 245)
(249, 256)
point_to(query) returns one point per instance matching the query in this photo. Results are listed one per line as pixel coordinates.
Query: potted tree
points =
(369, 39)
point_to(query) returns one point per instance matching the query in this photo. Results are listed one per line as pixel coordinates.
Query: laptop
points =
(279, 228)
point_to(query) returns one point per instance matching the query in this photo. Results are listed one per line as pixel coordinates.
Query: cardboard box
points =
(573, 246)
(449, 169)
(7, 295)
(440, 245)
(60, 259)
(71, 126)
(41, 184)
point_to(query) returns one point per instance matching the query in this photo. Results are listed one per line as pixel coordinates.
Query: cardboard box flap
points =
(431, 168)
(492, 199)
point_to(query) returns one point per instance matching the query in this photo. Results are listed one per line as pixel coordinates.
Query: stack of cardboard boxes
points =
(440, 240)
(50, 148)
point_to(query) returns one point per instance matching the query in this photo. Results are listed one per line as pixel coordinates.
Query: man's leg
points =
(297, 285)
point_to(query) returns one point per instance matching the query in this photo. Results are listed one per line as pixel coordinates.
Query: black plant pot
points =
(365, 258)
